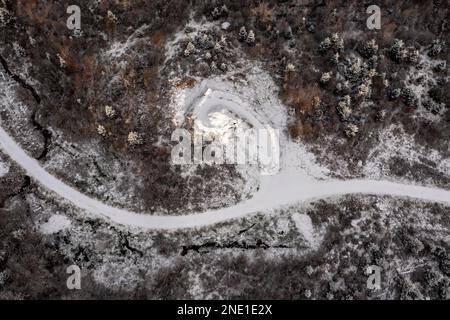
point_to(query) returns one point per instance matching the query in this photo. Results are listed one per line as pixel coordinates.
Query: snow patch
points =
(118, 275)
(55, 224)
(305, 227)
(118, 49)
(4, 169)
(395, 142)
(221, 106)
(447, 240)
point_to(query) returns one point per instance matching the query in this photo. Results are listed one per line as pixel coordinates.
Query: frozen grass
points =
(395, 142)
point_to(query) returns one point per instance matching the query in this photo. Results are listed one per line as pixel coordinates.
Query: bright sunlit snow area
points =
(55, 224)
(4, 169)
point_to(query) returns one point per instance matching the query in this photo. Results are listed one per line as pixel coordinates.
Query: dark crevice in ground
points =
(20, 81)
(99, 169)
(246, 229)
(230, 245)
(82, 254)
(125, 245)
(25, 184)
(45, 132)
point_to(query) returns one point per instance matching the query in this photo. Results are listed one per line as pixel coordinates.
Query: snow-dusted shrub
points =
(213, 66)
(111, 16)
(372, 73)
(436, 94)
(355, 68)
(216, 13)
(369, 48)
(432, 106)
(412, 244)
(380, 115)
(394, 94)
(440, 67)
(337, 42)
(435, 48)
(431, 277)
(351, 130)
(343, 108)
(372, 62)
(219, 12)
(19, 50)
(444, 260)
(62, 62)
(242, 34)
(203, 41)
(250, 37)
(309, 270)
(413, 56)
(290, 67)
(287, 31)
(5, 15)
(397, 51)
(316, 102)
(335, 58)
(310, 26)
(218, 47)
(343, 88)
(203, 68)
(326, 76)
(363, 90)
(409, 97)
(101, 130)
(308, 294)
(190, 48)
(134, 139)
(325, 45)
(110, 112)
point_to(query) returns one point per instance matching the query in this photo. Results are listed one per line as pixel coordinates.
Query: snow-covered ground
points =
(401, 145)
(420, 81)
(305, 227)
(212, 105)
(291, 185)
(220, 109)
(55, 224)
(4, 169)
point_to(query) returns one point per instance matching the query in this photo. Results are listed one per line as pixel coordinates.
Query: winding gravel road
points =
(275, 191)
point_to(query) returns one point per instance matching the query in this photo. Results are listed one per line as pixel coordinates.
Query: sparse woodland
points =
(109, 86)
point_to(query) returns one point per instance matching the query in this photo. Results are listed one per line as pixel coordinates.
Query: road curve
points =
(275, 191)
